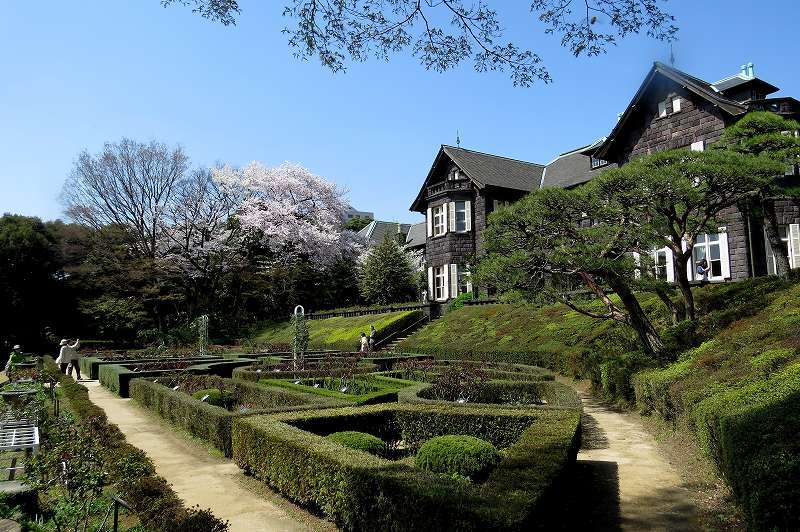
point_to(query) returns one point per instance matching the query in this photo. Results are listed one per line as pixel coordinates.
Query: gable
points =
(483, 170)
(641, 128)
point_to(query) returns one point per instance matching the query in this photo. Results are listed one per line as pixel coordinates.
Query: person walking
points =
(373, 336)
(69, 358)
(364, 343)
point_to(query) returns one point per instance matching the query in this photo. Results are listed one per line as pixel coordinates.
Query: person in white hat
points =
(69, 358)
(15, 357)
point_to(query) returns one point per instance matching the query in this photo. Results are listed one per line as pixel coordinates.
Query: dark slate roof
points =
(492, 170)
(483, 169)
(417, 236)
(573, 167)
(374, 233)
(734, 81)
(695, 85)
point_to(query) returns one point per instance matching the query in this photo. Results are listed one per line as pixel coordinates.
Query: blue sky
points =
(76, 74)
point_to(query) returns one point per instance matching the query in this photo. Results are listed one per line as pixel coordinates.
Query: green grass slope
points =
(554, 336)
(340, 333)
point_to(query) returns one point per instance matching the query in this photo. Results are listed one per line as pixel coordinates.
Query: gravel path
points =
(197, 477)
(621, 480)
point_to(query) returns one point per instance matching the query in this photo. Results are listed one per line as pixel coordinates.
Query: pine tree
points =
(387, 275)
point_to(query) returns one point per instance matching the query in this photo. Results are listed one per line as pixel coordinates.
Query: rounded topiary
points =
(467, 456)
(215, 397)
(360, 441)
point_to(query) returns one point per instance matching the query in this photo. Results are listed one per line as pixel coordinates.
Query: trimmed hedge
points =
(752, 434)
(159, 509)
(505, 394)
(467, 456)
(90, 365)
(360, 441)
(213, 423)
(360, 491)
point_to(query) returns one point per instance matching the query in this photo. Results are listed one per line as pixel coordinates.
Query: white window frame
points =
(439, 220)
(440, 282)
(706, 244)
(459, 208)
(790, 234)
(662, 109)
(676, 104)
(668, 266)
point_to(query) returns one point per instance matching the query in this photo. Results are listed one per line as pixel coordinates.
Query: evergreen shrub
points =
(360, 441)
(466, 456)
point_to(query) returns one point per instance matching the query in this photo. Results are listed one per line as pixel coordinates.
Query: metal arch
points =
(302, 310)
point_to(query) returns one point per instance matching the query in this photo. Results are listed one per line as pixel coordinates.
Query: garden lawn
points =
(341, 333)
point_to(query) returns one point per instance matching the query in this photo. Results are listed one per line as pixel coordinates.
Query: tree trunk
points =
(780, 250)
(682, 259)
(676, 312)
(648, 336)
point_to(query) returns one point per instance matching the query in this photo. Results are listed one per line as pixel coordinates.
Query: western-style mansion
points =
(671, 109)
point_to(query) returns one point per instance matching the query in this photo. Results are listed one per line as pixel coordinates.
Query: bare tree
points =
(128, 184)
(443, 33)
(200, 239)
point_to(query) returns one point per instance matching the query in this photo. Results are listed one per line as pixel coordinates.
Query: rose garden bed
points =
(179, 401)
(497, 393)
(361, 491)
(357, 389)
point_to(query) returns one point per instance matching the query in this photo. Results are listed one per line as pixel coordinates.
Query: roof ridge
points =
(491, 155)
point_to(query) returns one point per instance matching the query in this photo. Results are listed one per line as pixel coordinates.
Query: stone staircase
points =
(392, 345)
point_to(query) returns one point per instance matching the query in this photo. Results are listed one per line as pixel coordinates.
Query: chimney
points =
(750, 70)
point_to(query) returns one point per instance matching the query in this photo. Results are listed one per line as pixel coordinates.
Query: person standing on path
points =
(69, 358)
(373, 335)
(14, 358)
(364, 343)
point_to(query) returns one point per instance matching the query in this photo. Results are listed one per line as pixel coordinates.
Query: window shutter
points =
(662, 109)
(670, 265)
(724, 256)
(794, 245)
(454, 280)
(429, 219)
(676, 105)
(431, 293)
(637, 260)
(451, 216)
(469, 215)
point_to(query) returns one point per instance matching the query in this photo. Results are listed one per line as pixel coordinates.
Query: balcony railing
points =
(449, 185)
(776, 105)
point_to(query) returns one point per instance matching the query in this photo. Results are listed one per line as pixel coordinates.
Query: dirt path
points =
(622, 480)
(197, 477)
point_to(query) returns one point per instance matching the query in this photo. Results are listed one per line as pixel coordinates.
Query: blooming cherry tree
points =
(292, 211)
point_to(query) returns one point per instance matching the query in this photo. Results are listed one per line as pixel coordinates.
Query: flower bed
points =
(361, 390)
(213, 423)
(360, 491)
(508, 394)
(256, 372)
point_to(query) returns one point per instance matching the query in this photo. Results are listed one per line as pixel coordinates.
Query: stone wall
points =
(696, 120)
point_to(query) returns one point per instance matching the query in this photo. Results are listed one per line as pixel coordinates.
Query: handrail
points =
(117, 503)
(366, 312)
(383, 341)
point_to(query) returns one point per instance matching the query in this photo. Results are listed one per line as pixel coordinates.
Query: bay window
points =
(713, 247)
